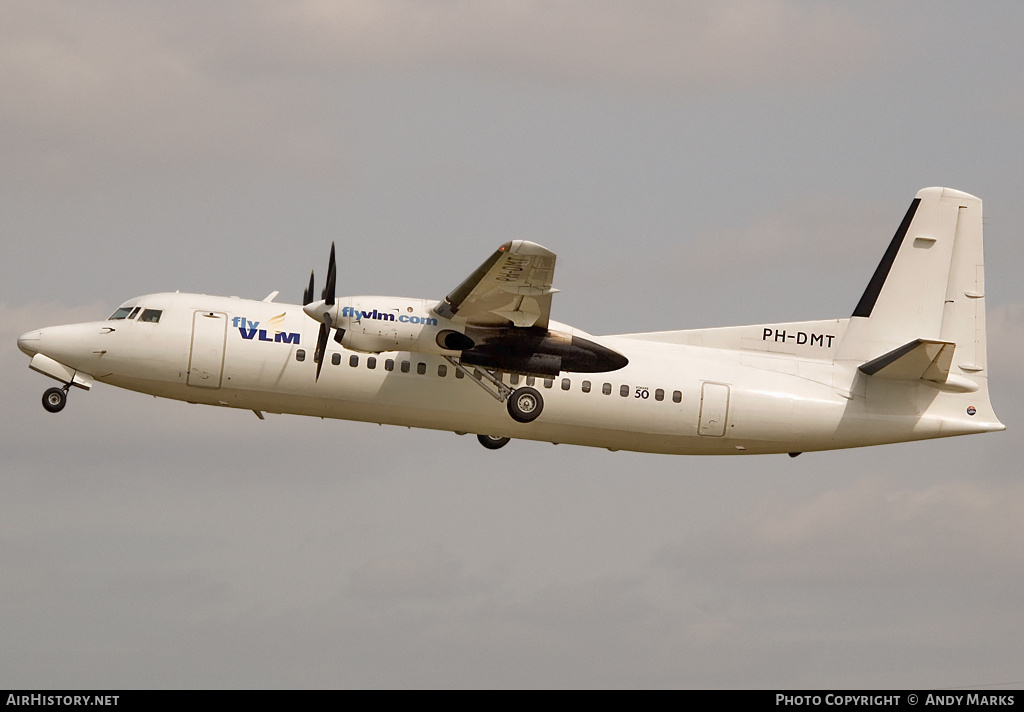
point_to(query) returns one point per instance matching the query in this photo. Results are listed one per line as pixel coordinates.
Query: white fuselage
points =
(718, 391)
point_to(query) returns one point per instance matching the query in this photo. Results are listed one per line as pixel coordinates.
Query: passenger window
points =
(624, 391)
(659, 394)
(677, 397)
(405, 366)
(548, 382)
(607, 389)
(565, 384)
(459, 373)
(530, 380)
(586, 386)
(353, 360)
(442, 370)
(421, 368)
(300, 354)
(336, 359)
(371, 362)
(513, 378)
(121, 313)
(151, 315)
(389, 364)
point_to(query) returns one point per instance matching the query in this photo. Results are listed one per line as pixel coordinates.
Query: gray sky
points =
(691, 163)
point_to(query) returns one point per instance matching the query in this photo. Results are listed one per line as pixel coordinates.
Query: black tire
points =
(55, 399)
(525, 404)
(491, 442)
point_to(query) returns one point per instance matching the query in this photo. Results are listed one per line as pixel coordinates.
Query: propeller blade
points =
(321, 343)
(323, 316)
(321, 346)
(307, 296)
(332, 277)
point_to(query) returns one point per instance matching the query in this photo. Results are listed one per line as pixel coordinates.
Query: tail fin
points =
(930, 284)
(923, 312)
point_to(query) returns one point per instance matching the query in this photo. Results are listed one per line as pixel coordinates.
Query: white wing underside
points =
(512, 286)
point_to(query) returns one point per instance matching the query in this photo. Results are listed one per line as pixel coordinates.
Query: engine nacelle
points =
(368, 343)
(547, 365)
(540, 352)
(376, 324)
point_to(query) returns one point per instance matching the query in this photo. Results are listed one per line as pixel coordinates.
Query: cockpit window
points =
(135, 311)
(121, 313)
(151, 315)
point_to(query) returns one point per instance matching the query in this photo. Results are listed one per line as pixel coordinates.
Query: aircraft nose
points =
(29, 342)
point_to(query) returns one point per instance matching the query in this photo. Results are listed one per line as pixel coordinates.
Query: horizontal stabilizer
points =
(925, 359)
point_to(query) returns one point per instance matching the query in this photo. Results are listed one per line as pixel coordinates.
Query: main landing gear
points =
(491, 442)
(524, 404)
(55, 399)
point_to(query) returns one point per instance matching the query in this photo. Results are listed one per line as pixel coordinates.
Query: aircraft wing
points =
(511, 288)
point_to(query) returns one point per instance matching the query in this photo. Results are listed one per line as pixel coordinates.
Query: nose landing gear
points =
(55, 399)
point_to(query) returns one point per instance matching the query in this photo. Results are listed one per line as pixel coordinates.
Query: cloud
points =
(866, 533)
(905, 580)
(121, 84)
(425, 575)
(822, 232)
(628, 44)
(808, 258)
(1004, 324)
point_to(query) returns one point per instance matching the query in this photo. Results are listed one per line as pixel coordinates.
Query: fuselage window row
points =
(513, 378)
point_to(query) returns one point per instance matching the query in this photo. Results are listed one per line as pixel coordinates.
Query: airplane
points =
(909, 364)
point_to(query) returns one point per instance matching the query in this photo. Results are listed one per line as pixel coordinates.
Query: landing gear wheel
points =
(492, 443)
(55, 399)
(525, 404)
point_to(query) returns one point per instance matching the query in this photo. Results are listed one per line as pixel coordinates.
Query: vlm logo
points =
(248, 330)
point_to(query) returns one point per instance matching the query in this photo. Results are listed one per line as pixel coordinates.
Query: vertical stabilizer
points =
(929, 284)
(921, 319)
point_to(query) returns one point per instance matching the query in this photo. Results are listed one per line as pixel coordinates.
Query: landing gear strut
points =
(55, 399)
(524, 404)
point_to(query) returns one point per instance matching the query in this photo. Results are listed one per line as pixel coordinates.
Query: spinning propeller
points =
(322, 311)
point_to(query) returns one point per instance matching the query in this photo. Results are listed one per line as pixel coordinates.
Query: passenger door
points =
(714, 409)
(206, 358)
